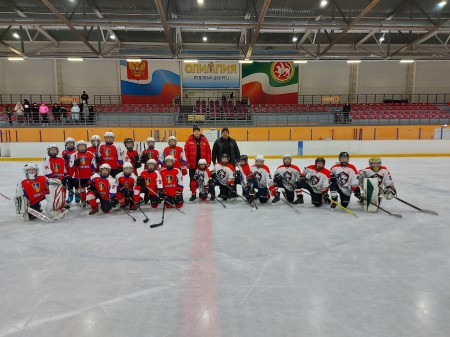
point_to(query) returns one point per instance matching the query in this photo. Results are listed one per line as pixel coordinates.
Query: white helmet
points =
(172, 138)
(81, 142)
(170, 158)
(108, 134)
(127, 164)
(259, 157)
(287, 155)
(150, 139)
(202, 162)
(105, 166)
(51, 146)
(152, 161)
(31, 166)
(68, 140)
(95, 138)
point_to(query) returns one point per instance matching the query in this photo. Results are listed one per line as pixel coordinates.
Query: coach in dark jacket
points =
(225, 144)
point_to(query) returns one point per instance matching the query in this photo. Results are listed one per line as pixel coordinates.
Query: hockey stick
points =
(165, 200)
(4, 196)
(417, 208)
(251, 203)
(132, 217)
(140, 209)
(379, 207)
(287, 203)
(40, 216)
(220, 202)
(162, 218)
(344, 208)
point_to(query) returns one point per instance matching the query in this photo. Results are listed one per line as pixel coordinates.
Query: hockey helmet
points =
(172, 138)
(34, 168)
(128, 140)
(202, 162)
(320, 160)
(52, 146)
(287, 159)
(150, 140)
(128, 166)
(95, 138)
(344, 155)
(259, 157)
(104, 167)
(244, 157)
(375, 163)
(81, 142)
(169, 158)
(69, 140)
(108, 134)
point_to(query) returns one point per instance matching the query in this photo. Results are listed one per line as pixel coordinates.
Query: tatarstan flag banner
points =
(137, 71)
(270, 82)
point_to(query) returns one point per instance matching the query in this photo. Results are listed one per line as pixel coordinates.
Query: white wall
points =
(279, 148)
(382, 77)
(433, 77)
(318, 78)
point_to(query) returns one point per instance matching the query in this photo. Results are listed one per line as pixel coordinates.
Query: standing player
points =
(111, 154)
(223, 176)
(131, 154)
(127, 193)
(150, 152)
(150, 183)
(261, 180)
(33, 189)
(381, 174)
(177, 153)
(54, 166)
(316, 179)
(104, 187)
(344, 181)
(285, 177)
(83, 164)
(172, 182)
(95, 143)
(68, 180)
(202, 180)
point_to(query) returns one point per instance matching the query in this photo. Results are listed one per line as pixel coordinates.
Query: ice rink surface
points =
(234, 272)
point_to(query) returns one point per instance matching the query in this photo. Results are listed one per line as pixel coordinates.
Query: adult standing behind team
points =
(196, 147)
(225, 144)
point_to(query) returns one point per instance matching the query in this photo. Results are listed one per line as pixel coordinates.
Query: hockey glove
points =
(390, 193)
(98, 158)
(137, 164)
(326, 198)
(213, 175)
(125, 192)
(66, 157)
(144, 158)
(357, 192)
(161, 194)
(136, 158)
(140, 181)
(278, 180)
(77, 162)
(91, 188)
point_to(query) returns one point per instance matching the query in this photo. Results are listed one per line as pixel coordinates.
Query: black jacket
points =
(222, 146)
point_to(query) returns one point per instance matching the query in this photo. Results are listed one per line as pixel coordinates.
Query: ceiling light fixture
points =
(294, 39)
(16, 35)
(353, 61)
(245, 61)
(75, 59)
(406, 61)
(300, 61)
(381, 39)
(200, 2)
(112, 37)
(442, 4)
(190, 61)
(15, 58)
(323, 3)
(204, 38)
(134, 60)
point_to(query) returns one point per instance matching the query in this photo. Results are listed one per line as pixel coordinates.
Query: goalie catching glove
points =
(390, 193)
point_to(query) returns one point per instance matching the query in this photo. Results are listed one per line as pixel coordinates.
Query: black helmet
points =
(320, 160)
(244, 157)
(128, 140)
(344, 154)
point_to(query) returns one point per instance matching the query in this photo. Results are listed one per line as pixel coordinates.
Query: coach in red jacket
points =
(196, 148)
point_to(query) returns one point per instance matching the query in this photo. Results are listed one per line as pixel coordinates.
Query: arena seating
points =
(227, 111)
(160, 108)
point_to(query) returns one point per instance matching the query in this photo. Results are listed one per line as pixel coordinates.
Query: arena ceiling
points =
(226, 29)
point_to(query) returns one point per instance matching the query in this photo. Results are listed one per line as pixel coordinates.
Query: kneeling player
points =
(127, 193)
(202, 180)
(242, 172)
(104, 187)
(285, 177)
(376, 181)
(261, 180)
(149, 183)
(344, 181)
(172, 181)
(316, 179)
(33, 189)
(223, 176)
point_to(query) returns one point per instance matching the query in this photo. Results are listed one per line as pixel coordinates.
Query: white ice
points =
(233, 272)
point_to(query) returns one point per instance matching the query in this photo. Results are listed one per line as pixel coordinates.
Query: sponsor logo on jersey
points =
(83, 160)
(107, 152)
(56, 168)
(150, 155)
(148, 181)
(342, 178)
(287, 176)
(314, 180)
(36, 186)
(172, 152)
(169, 179)
(258, 176)
(101, 186)
(126, 184)
(221, 174)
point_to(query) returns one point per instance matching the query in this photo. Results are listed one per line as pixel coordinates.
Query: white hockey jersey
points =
(224, 173)
(203, 177)
(289, 173)
(318, 180)
(262, 175)
(383, 176)
(346, 177)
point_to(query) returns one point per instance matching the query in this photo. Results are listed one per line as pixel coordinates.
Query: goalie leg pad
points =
(55, 198)
(371, 192)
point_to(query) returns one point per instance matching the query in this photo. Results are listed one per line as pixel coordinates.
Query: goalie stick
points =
(40, 216)
(417, 208)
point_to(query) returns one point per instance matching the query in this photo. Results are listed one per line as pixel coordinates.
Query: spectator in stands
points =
(27, 109)
(9, 113)
(85, 113)
(63, 112)
(346, 112)
(19, 111)
(35, 113)
(56, 111)
(196, 147)
(84, 97)
(43, 111)
(75, 113)
(225, 144)
(337, 116)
